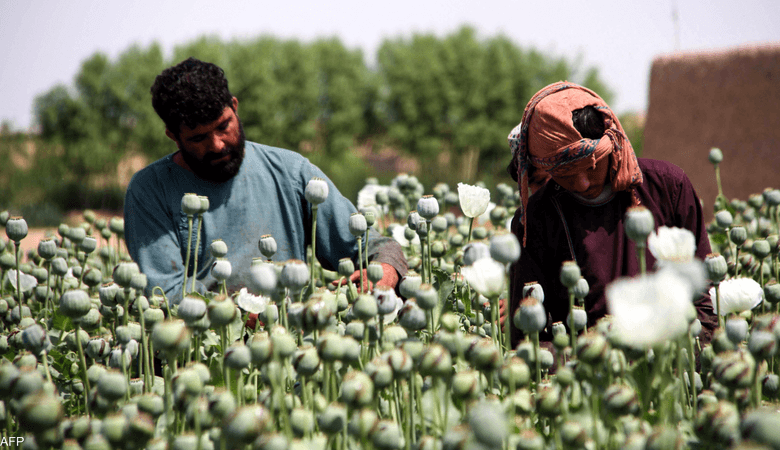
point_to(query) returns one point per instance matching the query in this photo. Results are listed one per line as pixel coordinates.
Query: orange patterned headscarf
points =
(547, 141)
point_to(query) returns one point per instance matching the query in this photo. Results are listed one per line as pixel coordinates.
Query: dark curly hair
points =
(192, 93)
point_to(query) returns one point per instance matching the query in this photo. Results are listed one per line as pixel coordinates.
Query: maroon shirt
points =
(562, 228)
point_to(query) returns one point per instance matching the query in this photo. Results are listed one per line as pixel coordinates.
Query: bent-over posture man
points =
(570, 133)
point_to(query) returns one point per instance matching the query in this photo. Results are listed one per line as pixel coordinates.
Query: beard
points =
(208, 170)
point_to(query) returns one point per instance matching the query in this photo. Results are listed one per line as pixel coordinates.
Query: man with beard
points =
(253, 190)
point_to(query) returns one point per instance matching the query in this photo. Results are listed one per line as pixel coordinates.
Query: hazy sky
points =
(43, 42)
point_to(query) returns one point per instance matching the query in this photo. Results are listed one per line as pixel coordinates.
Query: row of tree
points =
(459, 94)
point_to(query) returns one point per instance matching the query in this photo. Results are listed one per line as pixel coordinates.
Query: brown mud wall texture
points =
(727, 99)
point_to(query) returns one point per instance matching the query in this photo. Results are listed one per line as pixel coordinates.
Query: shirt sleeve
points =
(334, 240)
(150, 235)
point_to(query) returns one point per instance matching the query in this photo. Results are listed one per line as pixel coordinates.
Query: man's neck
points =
(605, 196)
(178, 159)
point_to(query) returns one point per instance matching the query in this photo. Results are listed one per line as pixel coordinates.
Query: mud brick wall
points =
(728, 99)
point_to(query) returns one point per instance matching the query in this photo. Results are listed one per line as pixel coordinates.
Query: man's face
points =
(213, 151)
(587, 182)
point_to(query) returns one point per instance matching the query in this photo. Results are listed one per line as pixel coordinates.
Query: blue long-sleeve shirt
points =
(265, 197)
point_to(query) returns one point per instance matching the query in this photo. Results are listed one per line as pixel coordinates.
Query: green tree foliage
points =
(459, 94)
(464, 94)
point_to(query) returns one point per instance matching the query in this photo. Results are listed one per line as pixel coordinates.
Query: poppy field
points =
(301, 357)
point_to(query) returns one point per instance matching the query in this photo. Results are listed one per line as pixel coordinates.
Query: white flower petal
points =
(397, 231)
(367, 196)
(672, 244)
(474, 200)
(648, 310)
(254, 304)
(737, 295)
(486, 276)
(28, 282)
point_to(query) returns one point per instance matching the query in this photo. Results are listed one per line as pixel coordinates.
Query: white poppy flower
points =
(672, 244)
(367, 196)
(737, 295)
(397, 231)
(651, 309)
(474, 200)
(486, 276)
(254, 304)
(28, 282)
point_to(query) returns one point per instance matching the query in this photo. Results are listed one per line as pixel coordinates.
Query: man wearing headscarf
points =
(570, 136)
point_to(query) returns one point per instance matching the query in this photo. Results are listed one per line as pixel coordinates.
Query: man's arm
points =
(333, 235)
(152, 241)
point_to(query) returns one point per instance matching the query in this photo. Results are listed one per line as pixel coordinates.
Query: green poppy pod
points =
(16, 229)
(93, 277)
(333, 419)
(170, 336)
(204, 204)
(357, 224)
(190, 204)
(218, 248)
(388, 436)
(400, 362)
(107, 293)
(77, 234)
(112, 385)
(295, 275)
(221, 269)
(222, 311)
(36, 339)
(262, 278)
(123, 273)
(4, 216)
(243, 426)
(117, 226)
(530, 316)
(365, 307)
(715, 156)
(639, 223)
(375, 271)
(316, 191)
(238, 356)
(47, 248)
(380, 372)
(346, 267)
(411, 316)
(439, 224)
(723, 219)
(505, 248)
(761, 248)
(138, 282)
(428, 207)
(409, 284)
(74, 303)
(88, 244)
(39, 413)
(436, 361)
(474, 252)
(716, 267)
(98, 349)
(570, 274)
(577, 318)
(427, 296)
(386, 299)
(738, 235)
(191, 309)
(357, 389)
(382, 198)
